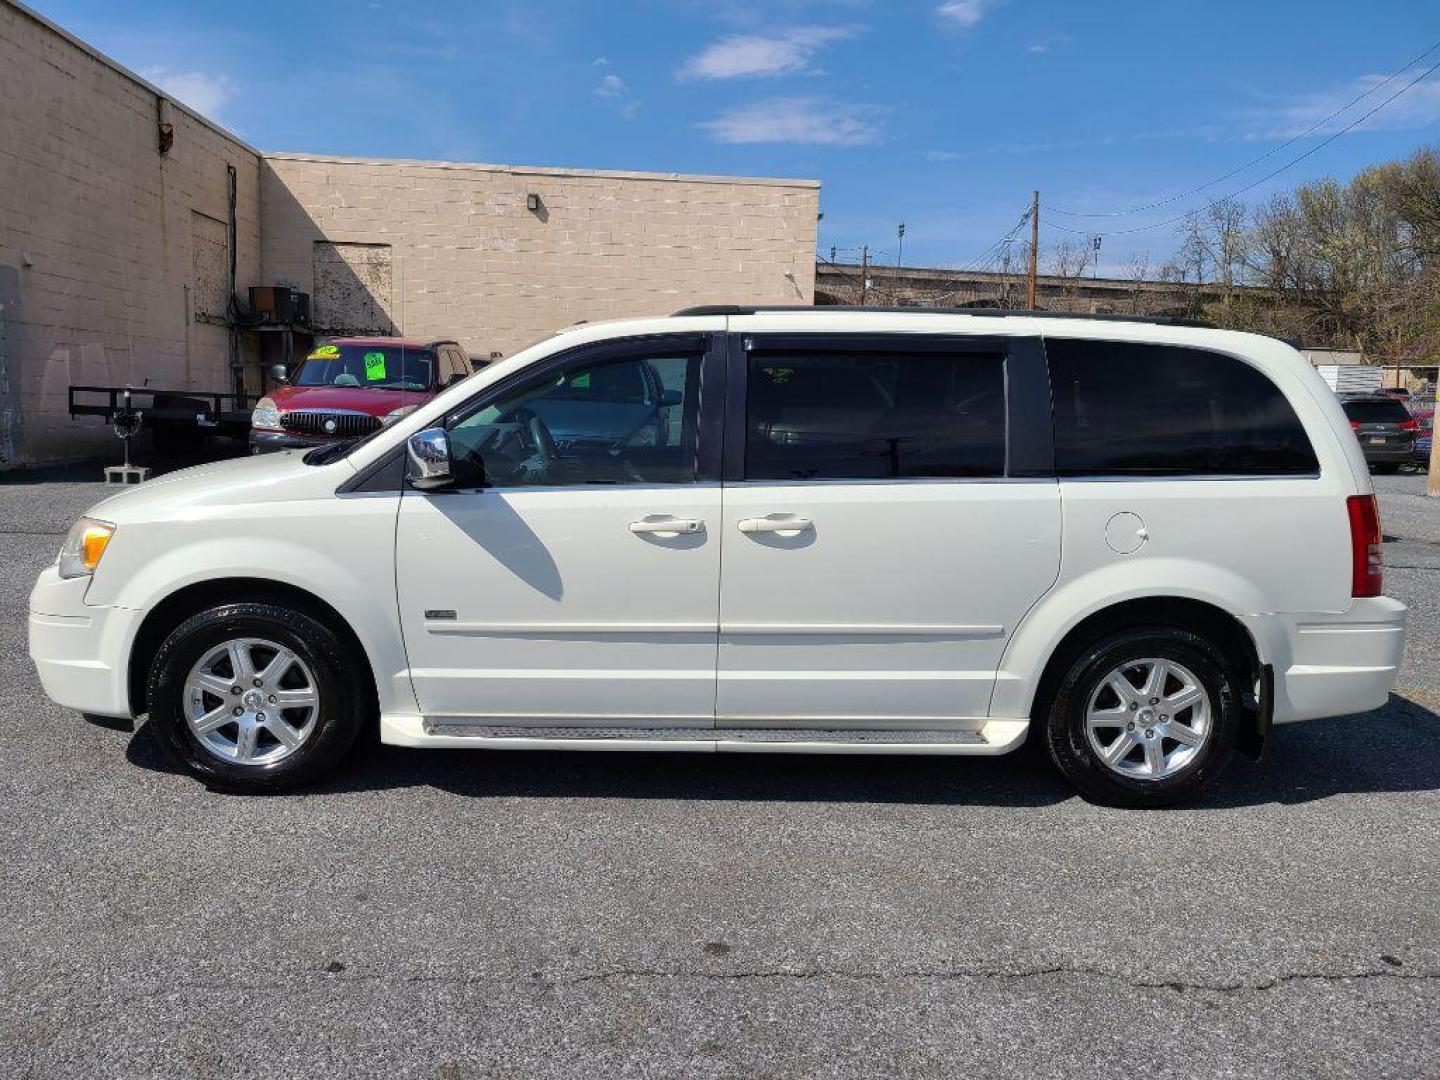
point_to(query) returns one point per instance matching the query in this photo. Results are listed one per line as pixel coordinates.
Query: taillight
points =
(1366, 560)
(1355, 425)
(1408, 425)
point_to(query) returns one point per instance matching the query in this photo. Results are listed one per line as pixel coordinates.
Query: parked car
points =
(1384, 427)
(348, 387)
(863, 532)
(1396, 392)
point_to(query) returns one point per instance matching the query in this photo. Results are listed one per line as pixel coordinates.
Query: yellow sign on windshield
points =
(324, 352)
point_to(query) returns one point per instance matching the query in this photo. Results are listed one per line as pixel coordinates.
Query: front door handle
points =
(664, 525)
(784, 524)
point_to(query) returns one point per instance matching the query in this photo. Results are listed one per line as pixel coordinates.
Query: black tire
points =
(1065, 719)
(346, 695)
(1385, 467)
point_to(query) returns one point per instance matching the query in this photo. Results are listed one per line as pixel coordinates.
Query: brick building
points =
(121, 210)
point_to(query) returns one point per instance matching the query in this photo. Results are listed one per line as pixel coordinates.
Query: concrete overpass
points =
(840, 283)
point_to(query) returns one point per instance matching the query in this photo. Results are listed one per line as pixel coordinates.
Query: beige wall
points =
(114, 257)
(467, 259)
(99, 236)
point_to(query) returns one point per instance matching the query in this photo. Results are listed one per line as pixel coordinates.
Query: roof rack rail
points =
(986, 313)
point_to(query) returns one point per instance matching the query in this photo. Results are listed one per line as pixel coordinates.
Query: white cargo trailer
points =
(1351, 378)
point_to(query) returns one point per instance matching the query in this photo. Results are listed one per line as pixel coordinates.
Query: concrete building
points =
(121, 212)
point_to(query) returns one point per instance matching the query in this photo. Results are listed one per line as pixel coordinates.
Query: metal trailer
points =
(178, 419)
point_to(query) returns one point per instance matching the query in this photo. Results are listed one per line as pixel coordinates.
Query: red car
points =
(349, 387)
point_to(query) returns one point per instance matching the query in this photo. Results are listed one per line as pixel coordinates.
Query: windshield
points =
(375, 366)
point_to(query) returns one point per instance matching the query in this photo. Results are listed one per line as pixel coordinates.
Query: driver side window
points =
(621, 420)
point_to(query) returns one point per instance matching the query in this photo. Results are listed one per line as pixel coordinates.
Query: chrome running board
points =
(991, 737)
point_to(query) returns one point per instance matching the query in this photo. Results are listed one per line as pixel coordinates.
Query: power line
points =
(993, 251)
(1268, 154)
(1268, 176)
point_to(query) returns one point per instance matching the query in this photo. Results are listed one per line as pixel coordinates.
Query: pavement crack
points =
(800, 974)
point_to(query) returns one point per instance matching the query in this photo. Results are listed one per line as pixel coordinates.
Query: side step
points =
(992, 737)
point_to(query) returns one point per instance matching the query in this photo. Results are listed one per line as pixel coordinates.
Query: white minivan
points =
(760, 530)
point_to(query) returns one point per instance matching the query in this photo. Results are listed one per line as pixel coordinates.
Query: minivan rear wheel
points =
(256, 697)
(1145, 717)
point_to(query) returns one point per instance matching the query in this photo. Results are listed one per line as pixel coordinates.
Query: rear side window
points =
(832, 414)
(1130, 409)
(1377, 410)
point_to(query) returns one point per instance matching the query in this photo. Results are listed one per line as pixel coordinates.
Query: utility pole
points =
(864, 273)
(1034, 248)
(1432, 485)
(900, 247)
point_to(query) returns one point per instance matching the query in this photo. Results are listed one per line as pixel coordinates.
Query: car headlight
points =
(390, 417)
(266, 414)
(84, 544)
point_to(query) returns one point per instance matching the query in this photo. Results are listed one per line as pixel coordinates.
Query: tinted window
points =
(1158, 410)
(832, 414)
(617, 421)
(1377, 410)
(378, 367)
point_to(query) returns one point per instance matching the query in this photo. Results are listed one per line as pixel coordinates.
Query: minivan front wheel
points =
(1145, 717)
(255, 697)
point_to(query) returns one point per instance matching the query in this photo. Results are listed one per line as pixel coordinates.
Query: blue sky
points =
(943, 114)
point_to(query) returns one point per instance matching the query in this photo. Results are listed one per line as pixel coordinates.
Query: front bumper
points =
(1333, 665)
(263, 442)
(80, 652)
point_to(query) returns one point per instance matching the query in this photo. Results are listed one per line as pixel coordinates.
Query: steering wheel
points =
(541, 441)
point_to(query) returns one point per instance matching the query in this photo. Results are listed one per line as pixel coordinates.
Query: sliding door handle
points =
(785, 525)
(659, 525)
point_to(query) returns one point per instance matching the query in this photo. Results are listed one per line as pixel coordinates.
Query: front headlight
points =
(266, 414)
(390, 417)
(84, 544)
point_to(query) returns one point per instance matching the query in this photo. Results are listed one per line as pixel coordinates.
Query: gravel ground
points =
(470, 914)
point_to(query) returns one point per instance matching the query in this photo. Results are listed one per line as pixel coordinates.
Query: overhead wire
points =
(1156, 204)
(1268, 176)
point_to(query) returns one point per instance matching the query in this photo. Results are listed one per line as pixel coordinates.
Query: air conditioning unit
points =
(279, 304)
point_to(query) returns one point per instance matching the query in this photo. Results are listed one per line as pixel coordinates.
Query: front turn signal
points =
(84, 546)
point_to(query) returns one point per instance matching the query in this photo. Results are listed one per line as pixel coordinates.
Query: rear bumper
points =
(80, 652)
(1388, 455)
(1332, 665)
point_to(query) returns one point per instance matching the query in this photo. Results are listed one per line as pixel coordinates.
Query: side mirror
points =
(670, 397)
(280, 373)
(427, 460)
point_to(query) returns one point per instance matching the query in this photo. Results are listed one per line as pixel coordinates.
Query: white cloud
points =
(204, 93)
(964, 13)
(783, 52)
(613, 89)
(611, 86)
(799, 120)
(601, 61)
(941, 155)
(1417, 107)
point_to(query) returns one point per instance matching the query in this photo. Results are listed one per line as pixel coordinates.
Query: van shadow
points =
(487, 520)
(1394, 749)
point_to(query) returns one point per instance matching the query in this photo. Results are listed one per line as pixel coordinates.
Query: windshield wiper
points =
(323, 455)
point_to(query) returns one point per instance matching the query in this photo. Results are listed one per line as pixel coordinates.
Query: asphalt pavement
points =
(486, 914)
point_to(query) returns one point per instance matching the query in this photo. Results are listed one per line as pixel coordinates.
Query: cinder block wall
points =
(467, 258)
(107, 248)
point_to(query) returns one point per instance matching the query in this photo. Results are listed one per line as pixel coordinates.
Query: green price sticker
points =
(374, 366)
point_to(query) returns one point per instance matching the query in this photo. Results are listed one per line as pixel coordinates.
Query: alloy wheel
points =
(1149, 719)
(250, 701)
